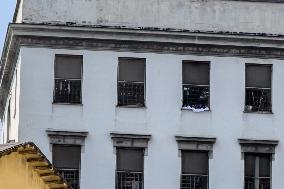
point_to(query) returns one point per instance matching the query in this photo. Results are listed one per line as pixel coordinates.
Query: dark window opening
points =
(68, 78)
(131, 82)
(194, 170)
(257, 171)
(195, 78)
(258, 88)
(129, 170)
(67, 161)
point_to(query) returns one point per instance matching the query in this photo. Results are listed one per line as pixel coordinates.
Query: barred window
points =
(68, 76)
(195, 77)
(129, 170)
(258, 88)
(66, 158)
(257, 171)
(131, 81)
(194, 170)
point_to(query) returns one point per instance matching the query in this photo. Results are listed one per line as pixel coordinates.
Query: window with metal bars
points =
(257, 171)
(129, 168)
(194, 170)
(66, 158)
(258, 88)
(131, 82)
(195, 77)
(68, 78)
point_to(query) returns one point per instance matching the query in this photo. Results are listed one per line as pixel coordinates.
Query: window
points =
(195, 78)
(194, 170)
(129, 170)
(131, 82)
(258, 88)
(66, 159)
(257, 171)
(68, 78)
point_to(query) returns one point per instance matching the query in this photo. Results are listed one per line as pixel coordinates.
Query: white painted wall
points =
(205, 15)
(11, 134)
(162, 117)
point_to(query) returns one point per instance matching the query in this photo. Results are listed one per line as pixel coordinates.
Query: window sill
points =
(131, 106)
(248, 112)
(69, 104)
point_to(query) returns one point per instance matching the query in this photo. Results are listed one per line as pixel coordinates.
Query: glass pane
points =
(264, 166)
(66, 157)
(250, 165)
(130, 159)
(195, 162)
(68, 66)
(131, 69)
(258, 75)
(196, 73)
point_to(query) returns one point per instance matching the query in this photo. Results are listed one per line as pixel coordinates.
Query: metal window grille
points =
(262, 182)
(258, 99)
(130, 93)
(129, 180)
(191, 181)
(195, 96)
(71, 176)
(67, 90)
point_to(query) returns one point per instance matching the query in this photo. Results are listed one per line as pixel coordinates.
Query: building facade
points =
(157, 94)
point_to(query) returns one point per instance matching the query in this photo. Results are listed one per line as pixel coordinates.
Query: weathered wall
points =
(11, 133)
(205, 15)
(162, 117)
(16, 173)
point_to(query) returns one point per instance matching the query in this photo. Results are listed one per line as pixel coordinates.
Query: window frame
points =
(200, 175)
(67, 169)
(81, 79)
(264, 88)
(144, 83)
(129, 172)
(257, 168)
(209, 81)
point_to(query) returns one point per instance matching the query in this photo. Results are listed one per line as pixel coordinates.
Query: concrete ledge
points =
(196, 144)
(130, 140)
(66, 137)
(258, 146)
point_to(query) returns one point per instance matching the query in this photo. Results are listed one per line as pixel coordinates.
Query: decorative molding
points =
(258, 146)
(130, 140)
(195, 143)
(66, 137)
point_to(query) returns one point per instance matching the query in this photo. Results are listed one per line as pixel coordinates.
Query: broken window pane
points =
(194, 170)
(129, 172)
(257, 171)
(131, 81)
(258, 88)
(195, 85)
(67, 160)
(68, 74)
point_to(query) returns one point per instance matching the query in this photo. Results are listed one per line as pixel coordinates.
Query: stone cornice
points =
(66, 137)
(258, 146)
(130, 140)
(132, 40)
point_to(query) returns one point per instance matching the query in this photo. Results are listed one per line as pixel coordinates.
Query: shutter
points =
(195, 73)
(130, 159)
(131, 69)
(66, 157)
(195, 162)
(68, 66)
(258, 76)
(264, 165)
(250, 165)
